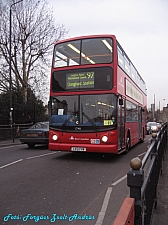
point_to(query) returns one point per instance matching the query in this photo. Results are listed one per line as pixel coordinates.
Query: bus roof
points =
(85, 37)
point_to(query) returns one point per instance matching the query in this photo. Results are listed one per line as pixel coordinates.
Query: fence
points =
(12, 131)
(143, 179)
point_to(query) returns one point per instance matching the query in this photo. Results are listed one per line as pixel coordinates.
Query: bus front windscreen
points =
(83, 112)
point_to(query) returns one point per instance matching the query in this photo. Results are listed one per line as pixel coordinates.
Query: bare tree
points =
(33, 34)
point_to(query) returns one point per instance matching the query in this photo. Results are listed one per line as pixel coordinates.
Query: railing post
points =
(154, 139)
(135, 179)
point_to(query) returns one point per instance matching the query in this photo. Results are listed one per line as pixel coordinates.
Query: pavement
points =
(9, 142)
(160, 214)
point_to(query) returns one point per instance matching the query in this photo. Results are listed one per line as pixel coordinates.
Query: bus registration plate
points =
(78, 149)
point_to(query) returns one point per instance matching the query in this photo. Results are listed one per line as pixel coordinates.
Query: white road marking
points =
(119, 180)
(142, 154)
(106, 201)
(37, 156)
(11, 163)
(11, 146)
(104, 207)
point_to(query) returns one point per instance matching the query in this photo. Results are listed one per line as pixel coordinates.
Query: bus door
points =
(139, 122)
(121, 123)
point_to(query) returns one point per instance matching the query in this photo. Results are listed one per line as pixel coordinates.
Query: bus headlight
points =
(104, 138)
(54, 137)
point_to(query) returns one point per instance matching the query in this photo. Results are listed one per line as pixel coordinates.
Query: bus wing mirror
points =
(120, 101)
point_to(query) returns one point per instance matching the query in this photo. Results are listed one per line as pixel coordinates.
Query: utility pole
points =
(10, 66)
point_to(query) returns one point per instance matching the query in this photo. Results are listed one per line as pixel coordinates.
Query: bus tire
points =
(31, 145)
(143, 137)
(127, 143)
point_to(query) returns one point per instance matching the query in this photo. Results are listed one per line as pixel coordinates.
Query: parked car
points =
(36, 134)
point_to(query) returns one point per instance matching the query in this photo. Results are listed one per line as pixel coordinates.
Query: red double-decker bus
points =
(97, 97)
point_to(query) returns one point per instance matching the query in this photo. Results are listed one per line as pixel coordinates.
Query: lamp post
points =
(154, 109)
(10, 64)
(160, 101)
(159, 106)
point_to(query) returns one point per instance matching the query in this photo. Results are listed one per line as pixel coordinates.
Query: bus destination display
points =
(80, 80)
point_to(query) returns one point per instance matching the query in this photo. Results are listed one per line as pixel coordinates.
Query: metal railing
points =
(143, 178)
(12, 132)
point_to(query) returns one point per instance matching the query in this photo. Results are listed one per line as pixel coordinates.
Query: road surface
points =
(62, 188)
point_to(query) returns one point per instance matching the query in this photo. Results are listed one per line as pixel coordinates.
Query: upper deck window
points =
(85, 51)
(127, 66)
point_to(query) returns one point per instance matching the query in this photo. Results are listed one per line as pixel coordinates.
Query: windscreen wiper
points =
(88, 118)
(67, 120)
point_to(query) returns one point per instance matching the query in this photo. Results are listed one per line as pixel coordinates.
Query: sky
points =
(141, 27)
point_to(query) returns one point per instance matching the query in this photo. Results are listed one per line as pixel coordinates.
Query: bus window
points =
(96, 51)
(67, 54)
(81, 52)
(120, 58)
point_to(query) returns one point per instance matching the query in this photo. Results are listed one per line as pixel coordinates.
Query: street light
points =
(160, 101)
(159, 107)
(10, 64)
